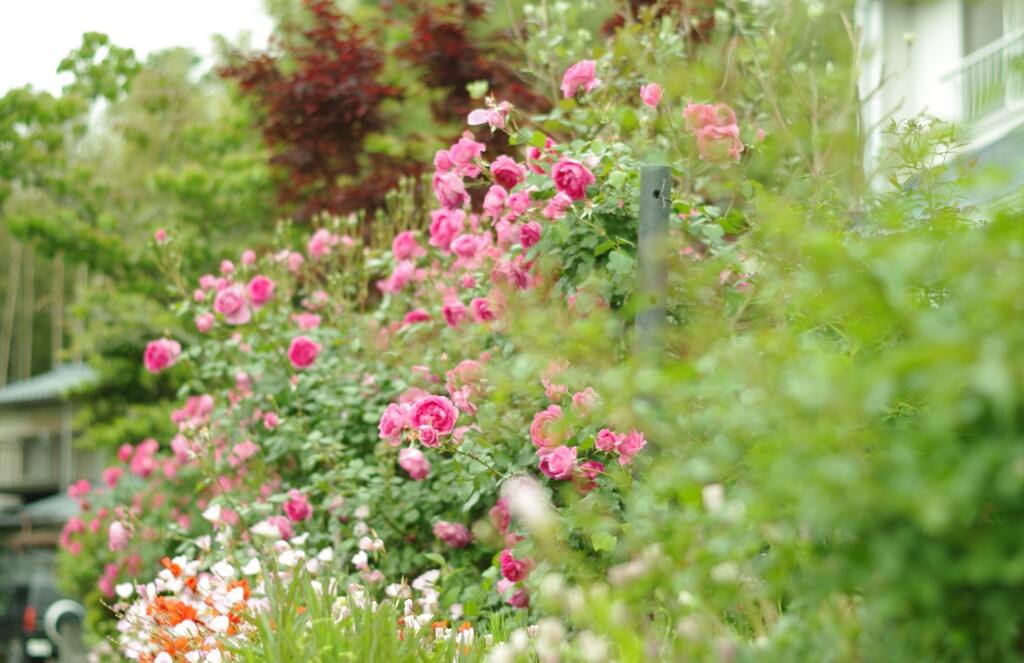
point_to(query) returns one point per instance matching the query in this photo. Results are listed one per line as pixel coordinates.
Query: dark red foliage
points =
(697, 14)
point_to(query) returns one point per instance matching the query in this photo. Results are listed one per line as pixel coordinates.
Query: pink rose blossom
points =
(283, 526)
(500, 516)
(227, 267)
(651, 94)
(160, 354)
(415, 316)
(394, 420)
(454, 534)
(124, 453)
(584, 402)
(118, 536)
(607, 440)
(534, 155)
(248, 257)
(231, 303)
(494, 201)
(427, 436)
(321, 242)
(245, 450)
(160, 236)
(557, 206)
(198, 295)
(261, 290)
(297, 508)
(270, 421)
(207, 281)
(545, 431)
(507, 172)
(180, 447)
(112, 475)
(450, 190)
(720, 144)
(580, 75)
(414, 462)
(630, 446)
(303, 351)
(509, 275)
(306, 321)
(572, 178)
(559, 462)
(445, 226)
(482, 310)
(204, 322)
(529, 234)
(405, 246)
(454, 311)
(435, 412)
(463, 154)
(588, 471)
(514, 570)
(465, 246)
(443, 161)
(519, 203)
(701, 116)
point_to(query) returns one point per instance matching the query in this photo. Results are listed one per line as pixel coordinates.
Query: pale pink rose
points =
(248, 257)
(557, 206)
(608, 441)
(207, 281)
(493, 116)
(283, 526)
(584, 402)
(759, 136)
(181, 448)
(546, 431)
(270, 421)
(160, 354)
(559, 462)
(651, 94)
(572, 178)
(415, 316)
(394, 420)
(443, 161)
(198, 295)
(529, 234)
(118, 536)
(454, 311)
(630, 446)
(509, 275)
(450, 190)
(719, 144)
(321, 242)
(508, 234)
(435, 412)
(580, 75)
(112, 475)
(701, 116)
(297, 508)
(160, 236)
(507, 172)
(231, 303)
(454, 534)
(414, 462)
(467, 280)
(465, 246)
(302, 351)
(512, 569)
(405, 246)
(295, 262)
(261, 290)
(519, 202)
(306, 321)
(500, 516)
(404, 272)
(446, 225)
(243, 382)
(554, 390)
(227, 267)
(494, 201)
(427, 436)
(204, 322)
(463, 154)
(535, 156)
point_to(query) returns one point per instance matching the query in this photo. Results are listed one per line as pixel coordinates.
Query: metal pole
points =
(652, 270)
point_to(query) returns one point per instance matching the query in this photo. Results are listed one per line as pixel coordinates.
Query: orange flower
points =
(171, 566)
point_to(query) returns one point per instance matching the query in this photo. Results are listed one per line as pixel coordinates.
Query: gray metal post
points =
(651, 257)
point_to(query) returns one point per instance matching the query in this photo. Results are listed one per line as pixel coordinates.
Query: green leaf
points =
(538, 139)
(617, 178)
(603, 541)
(604, 248)
(620, 262)
(435, 558)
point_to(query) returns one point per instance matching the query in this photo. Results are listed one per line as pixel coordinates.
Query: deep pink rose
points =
(464, 152)
(608, 440)
(450, 190)
(261, 290)
(160, 354)
(394, 420)
(572, 178)
(534, 155)
(507, 172)
(630, 446)
(519, 599)
(405, 246)
(231, 303)
(204, 322)
(297, 508)
(442, 161)
(446, 225)
(651, 94)
(514, 570)
(112, 475)
(427, 436)
(303, 351)
(580, 75)
(529, 234)
(481, 310)
(545, 431)
(414, 462)
(558, 463)
(454, 311)
(435, 412)
(415, 316)
(454, 534)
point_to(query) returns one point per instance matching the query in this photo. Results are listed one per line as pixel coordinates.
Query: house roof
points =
(47, 387)
(52, 510)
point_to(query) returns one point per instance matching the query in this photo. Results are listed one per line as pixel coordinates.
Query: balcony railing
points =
(991, 81)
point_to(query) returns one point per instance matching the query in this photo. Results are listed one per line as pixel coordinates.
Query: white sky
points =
(35, 35)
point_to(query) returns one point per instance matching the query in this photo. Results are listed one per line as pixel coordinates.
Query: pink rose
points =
(584, 402)
(534, 155)
(160, 236)
(507, 172)
(465, 246)
(572, 178)
(630, 446)
(427, 436)
(231, 303)
(112, 475)
(446, 225)
(719, 143)
(558, 463)
(405, 246)
(283, 525)
(415, 316)
(248, 257)
(270, 421)
(303, 352)
(651, 94)
(514, 570)
(306, 321)
(500, 515)
(436, 412)
(124, 453)
(207, 281)
(227, 267)
(204, 322)
(580, 75)
(519, 599)
(494, 201)
(443, 161)
(545, 431)
(529, 234)
(454, 311)
(464, 152)
(588, 471)
(607, 440)
(454, 534)
(321, 242)
(160, 354)
(414, 462)
(261, 290)
(481, 310)
(557, 206)
(701, 116)
(297, 508)
(510, 275)
(450, 190)
(118, 536)
(519, 202)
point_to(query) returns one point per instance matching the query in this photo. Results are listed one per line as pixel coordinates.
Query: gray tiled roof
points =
(52, 510)
(46, 387)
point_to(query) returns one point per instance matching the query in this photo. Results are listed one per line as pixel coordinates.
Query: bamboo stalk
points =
(28, 311)
(57, 311)
(10, 308)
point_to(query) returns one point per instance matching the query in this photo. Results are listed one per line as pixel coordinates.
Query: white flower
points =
(361, 560)
(326, 555)
(212, 513)
(223, 569)
(163, 657)
(220, 624)
(252, 568)
(186, 629)
(124, 590)
(714, 497)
